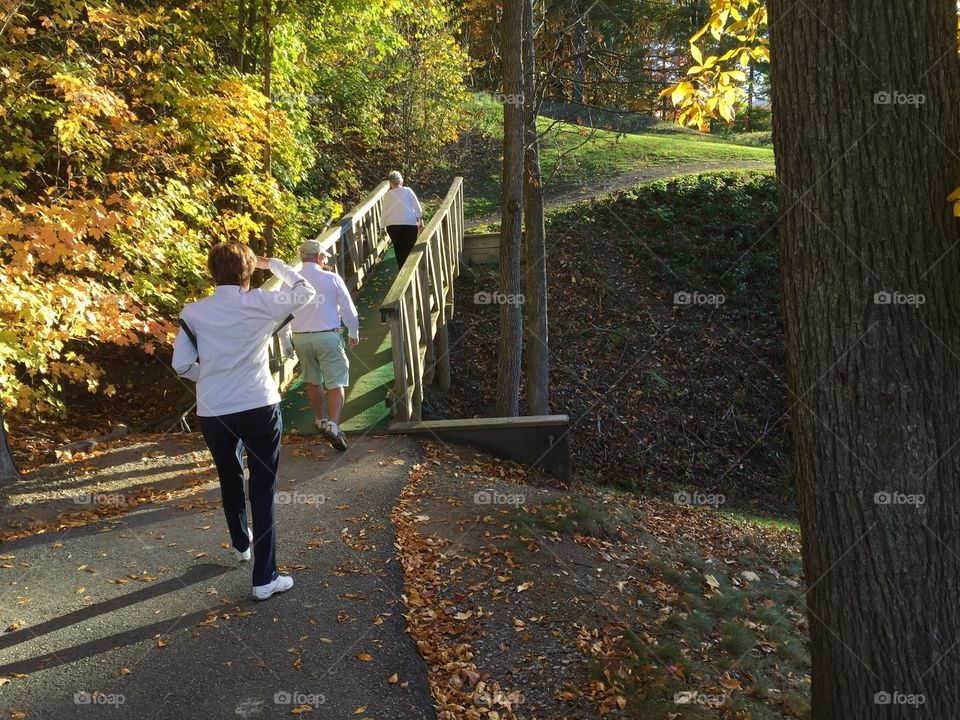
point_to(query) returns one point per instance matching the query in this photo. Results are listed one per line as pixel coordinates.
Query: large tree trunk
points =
(8, 469)
(875, 384)
(535, 249)
(511, 319)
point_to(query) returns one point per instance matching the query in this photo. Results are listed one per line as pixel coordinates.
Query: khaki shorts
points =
(323, 360)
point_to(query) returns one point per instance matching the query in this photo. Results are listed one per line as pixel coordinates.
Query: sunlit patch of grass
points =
(572, 156)
(776, 523)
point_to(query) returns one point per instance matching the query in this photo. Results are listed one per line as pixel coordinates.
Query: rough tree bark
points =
(511, 318)
(863, 178)
(536, 338)
(8, 469)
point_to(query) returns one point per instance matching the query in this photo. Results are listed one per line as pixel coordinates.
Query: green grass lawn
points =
(573, 156)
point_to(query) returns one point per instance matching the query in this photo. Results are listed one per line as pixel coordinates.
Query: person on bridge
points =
(317, 339)
(402, 217)
(223, 346)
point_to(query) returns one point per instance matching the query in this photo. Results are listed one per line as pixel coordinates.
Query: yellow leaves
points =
(696, 54)
(364, 657)
(725, 110)
(710, 91)
(681, 91)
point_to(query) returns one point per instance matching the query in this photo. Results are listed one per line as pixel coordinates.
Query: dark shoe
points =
(337, 438)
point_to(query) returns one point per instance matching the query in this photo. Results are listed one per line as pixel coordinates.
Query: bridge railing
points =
(420, 303)
(354, 245)
(358, 240)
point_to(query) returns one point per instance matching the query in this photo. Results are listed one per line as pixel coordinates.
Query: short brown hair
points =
(231, 263)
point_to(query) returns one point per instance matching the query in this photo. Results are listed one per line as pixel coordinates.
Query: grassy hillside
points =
(575, 156)
(664, 396)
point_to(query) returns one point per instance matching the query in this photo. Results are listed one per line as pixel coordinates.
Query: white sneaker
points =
(281, 584)
(245, 555)
(321, 424)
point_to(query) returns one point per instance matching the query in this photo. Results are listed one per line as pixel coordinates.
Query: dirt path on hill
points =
(627, 180)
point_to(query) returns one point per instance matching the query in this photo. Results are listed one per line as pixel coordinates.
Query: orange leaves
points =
(459, 689)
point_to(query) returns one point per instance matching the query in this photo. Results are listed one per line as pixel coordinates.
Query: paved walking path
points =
(148, 615)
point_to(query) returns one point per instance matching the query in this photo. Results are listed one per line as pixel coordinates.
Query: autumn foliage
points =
(133, 138)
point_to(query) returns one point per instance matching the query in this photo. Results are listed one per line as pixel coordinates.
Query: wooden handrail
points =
(357, 241)
(420, 303)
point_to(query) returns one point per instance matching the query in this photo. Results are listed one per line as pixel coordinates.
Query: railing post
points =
(410, 302)
(398, 342)
(426, 316)
(443, 357)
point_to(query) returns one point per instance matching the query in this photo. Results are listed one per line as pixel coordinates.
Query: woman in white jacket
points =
(402, 217)
(223, 347)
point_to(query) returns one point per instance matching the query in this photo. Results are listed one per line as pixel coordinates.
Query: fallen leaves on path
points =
(458, 688)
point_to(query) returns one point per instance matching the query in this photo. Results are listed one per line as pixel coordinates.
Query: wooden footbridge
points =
(405, 338)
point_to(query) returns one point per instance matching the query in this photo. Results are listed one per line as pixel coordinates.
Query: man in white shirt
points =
(223, 346)
(319, 344)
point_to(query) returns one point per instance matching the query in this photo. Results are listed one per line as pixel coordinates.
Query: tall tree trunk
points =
(863, 178)
(535, 250)
(241, 41)
(579, 42)
(511, 318)
(8, 469)
(267, 248)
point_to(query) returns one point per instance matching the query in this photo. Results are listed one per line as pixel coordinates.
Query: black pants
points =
(258, 431)
(404, 237)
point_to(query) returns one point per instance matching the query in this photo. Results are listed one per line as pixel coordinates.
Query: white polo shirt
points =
(400, 207)
(331, 303)
(233, 328)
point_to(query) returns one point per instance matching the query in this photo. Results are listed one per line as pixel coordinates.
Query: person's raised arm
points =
(297, 293)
